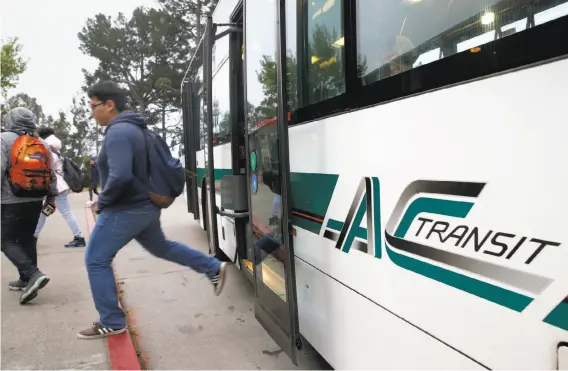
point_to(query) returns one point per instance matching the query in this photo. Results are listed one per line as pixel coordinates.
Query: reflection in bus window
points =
(293, 75)
(221, 105)
(262, 103)
(202, 125)
(325, 50)
(395, 36)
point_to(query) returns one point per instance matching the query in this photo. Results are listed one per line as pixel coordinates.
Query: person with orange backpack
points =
(27, 178)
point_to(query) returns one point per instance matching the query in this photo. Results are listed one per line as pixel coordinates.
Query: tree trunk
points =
(164, 122)
(198, 27)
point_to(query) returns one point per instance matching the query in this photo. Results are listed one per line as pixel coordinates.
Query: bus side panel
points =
(225, 225)
(489, 155)
(351, 332)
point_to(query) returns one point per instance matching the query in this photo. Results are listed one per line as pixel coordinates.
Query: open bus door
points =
(261, 196)
(190, 115)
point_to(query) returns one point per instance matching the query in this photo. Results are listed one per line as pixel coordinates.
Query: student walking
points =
(27, 178)
(126, 211)
(61, 200)
(94, 178)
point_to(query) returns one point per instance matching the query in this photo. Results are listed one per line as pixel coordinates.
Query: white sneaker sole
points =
(102, 336)
(32, 292)
(222, 275)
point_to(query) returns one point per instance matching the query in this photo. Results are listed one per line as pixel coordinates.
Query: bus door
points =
(190, 112)
(269, 175)
(257, 194)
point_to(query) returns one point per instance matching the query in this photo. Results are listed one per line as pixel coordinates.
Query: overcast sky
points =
(48, 32)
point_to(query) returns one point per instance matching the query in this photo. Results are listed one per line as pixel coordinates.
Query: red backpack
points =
(30, 173)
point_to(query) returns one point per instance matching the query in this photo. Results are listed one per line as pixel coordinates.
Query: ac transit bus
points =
(389, 175)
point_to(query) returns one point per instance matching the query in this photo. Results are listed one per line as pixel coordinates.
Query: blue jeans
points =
(113, 230)
(62, 205)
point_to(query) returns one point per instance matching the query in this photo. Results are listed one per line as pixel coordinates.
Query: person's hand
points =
(51, 202)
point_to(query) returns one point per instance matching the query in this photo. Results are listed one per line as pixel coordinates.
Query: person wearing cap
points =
(19, 215)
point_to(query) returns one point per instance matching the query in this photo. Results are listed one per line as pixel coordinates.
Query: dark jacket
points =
(122, 164)
(94, 173)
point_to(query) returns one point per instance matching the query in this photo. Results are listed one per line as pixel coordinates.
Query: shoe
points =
(98, 331)
(77, 242)
(17, 285)
(219, 279)
(37, 282)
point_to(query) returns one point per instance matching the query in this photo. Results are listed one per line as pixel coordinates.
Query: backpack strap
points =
(62, 158)
(147, 145)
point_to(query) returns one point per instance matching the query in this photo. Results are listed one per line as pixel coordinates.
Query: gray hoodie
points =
(18, 121)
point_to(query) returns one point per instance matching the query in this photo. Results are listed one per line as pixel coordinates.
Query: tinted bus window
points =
(395, 36)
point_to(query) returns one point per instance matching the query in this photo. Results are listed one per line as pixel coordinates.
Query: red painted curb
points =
(123, 355)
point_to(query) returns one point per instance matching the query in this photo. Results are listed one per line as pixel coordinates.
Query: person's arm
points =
(4, 158)
(52, 192)
(119, 154)
(52, 188)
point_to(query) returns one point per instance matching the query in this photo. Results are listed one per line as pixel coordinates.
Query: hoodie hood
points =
(21, 120)
(130, 117)
(53, 142)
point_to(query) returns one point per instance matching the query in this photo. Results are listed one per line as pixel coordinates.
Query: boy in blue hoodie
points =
(126, 211)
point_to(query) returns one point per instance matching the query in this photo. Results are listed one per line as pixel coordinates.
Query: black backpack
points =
(72, 173)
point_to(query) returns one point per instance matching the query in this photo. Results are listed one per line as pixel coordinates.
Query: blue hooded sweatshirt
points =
(122, 164)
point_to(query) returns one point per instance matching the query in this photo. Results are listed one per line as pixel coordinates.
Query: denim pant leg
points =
(113, 230)
(266, 243)
(154, 240)
(62, 204)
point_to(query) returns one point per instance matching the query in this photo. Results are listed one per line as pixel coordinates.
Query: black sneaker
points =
(77, 242)
(98, 331)
(219, 279)
(17, 285)
(37, 282)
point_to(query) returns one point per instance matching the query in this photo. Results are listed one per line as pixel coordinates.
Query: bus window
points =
(293, 72)
(221, 105)
(325, 50)
(395, 36)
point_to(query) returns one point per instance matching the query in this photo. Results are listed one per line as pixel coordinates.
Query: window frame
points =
(457, 69)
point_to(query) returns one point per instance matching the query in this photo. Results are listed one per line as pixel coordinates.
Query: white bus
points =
(389, 175)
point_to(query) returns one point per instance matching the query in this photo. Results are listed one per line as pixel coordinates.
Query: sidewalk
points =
(42, 334)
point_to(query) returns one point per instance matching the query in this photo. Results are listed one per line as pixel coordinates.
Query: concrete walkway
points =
(42, 334)
(176, 321)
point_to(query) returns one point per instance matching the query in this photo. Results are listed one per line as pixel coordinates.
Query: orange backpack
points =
(30, 173)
